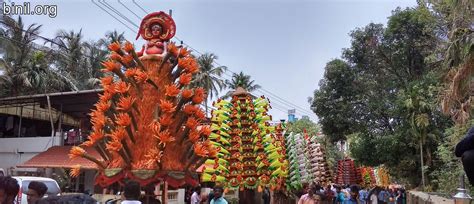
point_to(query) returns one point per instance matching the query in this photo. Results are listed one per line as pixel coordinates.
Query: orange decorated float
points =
(147, 123)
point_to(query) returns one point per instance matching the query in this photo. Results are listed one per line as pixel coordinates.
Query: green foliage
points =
(303, 124)
(240, 80)
(334, 101)
(446, 177)
(69, 63)
(208, 76)
(383, 96)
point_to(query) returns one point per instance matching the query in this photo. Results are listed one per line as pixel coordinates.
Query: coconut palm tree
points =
(23, 68)
(240, 80)
(94, 55)
(81, 61)
(78, 60)
(16, 40)
(459, 62)
(209, 76)
(111, 37)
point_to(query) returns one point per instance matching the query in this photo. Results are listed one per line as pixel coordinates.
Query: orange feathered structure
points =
(146, 124)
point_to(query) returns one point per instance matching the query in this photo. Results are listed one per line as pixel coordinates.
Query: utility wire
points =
(140, 7)
(39, 36)
(113, 16)
(46, 40)
(261, 90)
(103, 2)
(120, 2)
(279, 99)
(285, 101)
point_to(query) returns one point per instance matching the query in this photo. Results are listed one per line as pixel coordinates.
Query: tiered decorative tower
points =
(294, 177)
(276, 151)
(382, 176)
(240, 131)
(367, 176)
(346, 172)
(320, 172)
(146, 125)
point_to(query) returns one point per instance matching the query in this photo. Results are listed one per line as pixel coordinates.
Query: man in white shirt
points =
(131, 193)
(196, 196)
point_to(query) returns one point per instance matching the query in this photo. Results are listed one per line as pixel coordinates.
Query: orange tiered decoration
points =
(146, 125)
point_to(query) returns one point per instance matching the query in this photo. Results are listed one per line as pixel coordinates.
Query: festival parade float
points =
(146, 125)
(367, 176)
(319, 171)
(346, 172)
(250, 155)
(307, 162)
(294, 177)
(382, 176)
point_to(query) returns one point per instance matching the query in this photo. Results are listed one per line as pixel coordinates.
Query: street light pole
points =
(462, 197)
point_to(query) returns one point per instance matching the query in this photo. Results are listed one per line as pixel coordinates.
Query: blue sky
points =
(283, 45)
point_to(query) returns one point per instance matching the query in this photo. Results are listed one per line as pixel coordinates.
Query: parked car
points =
(24, 181)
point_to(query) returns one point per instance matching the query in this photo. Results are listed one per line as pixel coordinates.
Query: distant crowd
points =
(352, 194)
(313, 194)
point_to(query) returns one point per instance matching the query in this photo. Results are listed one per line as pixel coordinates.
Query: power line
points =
(277, 98)
(140, 7)
(47, 40)
(261, 90)
(103, 2)
(283, 105)
(37, 35)
(291, 104)
(268, 92)
(274, 103)
(112, 16)
(120, 2)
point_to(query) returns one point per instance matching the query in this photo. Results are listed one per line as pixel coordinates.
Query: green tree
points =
(334, 102)
(24, 66)
(70, 62)
(304, 124)
(94, 55)
(383, 96)
(209, 76)
(17, 45)
(240, 80)
(111, 37)
(457, 57)
(77, 60)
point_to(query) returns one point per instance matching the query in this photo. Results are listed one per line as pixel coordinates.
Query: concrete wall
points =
(176, 196)
(417, 197)
(27, 146)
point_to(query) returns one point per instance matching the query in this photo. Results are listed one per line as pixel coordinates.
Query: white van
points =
(24, 181)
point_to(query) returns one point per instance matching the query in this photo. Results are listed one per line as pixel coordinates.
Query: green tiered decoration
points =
(276, 151)
(240, 130)
(297, 162)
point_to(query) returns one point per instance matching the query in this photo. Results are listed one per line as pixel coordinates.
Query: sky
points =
(282, 44)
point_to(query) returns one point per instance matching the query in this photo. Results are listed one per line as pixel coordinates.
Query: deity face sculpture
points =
(156, 30)
(157, 25)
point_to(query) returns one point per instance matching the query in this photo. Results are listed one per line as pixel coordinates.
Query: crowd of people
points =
(313, 194)
(9, 190)
(196, 196)
(351, 194)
